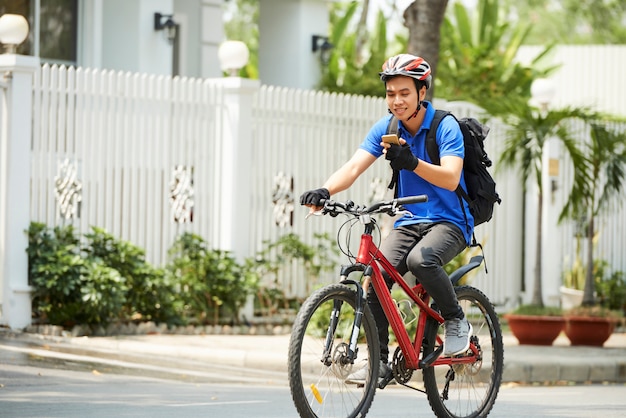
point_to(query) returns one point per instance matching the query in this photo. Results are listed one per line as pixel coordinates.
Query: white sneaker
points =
(458, 333)
(358, 377)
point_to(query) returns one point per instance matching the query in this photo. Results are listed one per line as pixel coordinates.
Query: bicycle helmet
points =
(407, 65)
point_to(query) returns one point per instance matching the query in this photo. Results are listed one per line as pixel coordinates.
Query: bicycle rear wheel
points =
(317, 379)
(468, 390)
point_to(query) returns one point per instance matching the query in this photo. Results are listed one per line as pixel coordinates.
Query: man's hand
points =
(401, 157)
(312, 198)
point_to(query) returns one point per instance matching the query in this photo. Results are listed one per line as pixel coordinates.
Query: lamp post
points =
(15, 162)
(233, 56)
(542, 94)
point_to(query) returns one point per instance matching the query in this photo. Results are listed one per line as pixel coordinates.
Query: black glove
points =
(401, 157)
(313, 197)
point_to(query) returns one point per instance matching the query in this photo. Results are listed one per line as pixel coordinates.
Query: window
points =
(55, 22)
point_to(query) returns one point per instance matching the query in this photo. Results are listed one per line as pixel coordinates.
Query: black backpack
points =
(481, 188)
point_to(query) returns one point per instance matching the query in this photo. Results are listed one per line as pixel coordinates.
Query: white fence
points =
(132, 154)
(120, 149)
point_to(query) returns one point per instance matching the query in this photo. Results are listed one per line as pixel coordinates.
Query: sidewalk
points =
(524, 364)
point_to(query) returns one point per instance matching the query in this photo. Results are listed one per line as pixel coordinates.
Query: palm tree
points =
(530, 129)
(606, 164)
(477, 61)
(350, 69)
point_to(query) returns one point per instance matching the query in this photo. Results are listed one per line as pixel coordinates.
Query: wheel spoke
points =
(469, 389)
(317, 375)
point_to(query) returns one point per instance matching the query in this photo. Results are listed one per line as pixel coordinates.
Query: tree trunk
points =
(362, 32)
(537, 289)
(423, 18)
(588, 294)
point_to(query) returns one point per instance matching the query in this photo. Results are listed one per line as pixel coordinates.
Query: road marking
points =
(216, 403)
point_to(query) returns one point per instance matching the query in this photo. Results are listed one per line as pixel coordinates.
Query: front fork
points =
(351, 353)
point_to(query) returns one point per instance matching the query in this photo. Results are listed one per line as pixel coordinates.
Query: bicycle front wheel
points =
(319, 360)
(468, 390)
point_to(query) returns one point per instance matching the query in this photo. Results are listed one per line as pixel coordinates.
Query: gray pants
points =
(423, 249)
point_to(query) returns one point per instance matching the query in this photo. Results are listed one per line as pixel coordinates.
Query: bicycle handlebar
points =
(390, 207)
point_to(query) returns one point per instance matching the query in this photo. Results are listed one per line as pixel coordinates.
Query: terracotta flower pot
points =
(591, 331)
(535, 329)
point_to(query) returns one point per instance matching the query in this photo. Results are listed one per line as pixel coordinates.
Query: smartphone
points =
(391, 139)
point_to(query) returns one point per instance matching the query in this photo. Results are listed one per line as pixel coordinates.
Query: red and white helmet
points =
(407, 65)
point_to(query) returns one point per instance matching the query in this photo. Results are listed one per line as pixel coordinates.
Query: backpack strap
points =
(392, 129)
(433, 152)
(431, 137)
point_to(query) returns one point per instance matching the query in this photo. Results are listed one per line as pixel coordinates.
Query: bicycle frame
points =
(370, 255)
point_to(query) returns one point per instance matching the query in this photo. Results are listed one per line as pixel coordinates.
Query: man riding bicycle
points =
(431, 234)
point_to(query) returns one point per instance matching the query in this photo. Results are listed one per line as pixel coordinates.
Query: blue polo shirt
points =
(443, 205)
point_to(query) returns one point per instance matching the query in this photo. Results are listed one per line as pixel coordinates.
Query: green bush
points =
(209, 282)
(104, 279)
(287, 249)
(612, 291)
(103, 294)
(55, 272)
(150, 293)
(69, 288)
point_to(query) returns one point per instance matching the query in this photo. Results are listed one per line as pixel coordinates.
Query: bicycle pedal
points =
(385, 381)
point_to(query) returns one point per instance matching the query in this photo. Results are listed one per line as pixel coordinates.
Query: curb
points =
(523, 364)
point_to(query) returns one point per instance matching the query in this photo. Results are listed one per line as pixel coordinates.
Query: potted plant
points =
(572, 290)
(536, 325)
(594, 324)
(590, 325)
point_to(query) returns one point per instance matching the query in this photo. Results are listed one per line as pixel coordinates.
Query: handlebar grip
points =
(413, 199)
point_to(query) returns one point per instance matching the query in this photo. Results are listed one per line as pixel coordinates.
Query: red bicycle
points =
(335, 329)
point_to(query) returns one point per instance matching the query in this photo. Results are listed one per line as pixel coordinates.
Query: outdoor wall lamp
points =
(13, 31)
(320, 43)
(166, 23)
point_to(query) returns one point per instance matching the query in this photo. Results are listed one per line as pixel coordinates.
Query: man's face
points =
(402, 96)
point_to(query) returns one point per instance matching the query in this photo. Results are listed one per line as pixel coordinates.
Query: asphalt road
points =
(35, 392)
(37, 386)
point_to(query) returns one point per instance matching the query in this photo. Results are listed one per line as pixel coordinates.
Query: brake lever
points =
(313, 213)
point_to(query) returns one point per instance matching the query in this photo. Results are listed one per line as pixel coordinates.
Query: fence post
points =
(15, 156)
(236, 165)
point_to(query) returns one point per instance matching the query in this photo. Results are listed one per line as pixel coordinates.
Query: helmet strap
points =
(419, 105)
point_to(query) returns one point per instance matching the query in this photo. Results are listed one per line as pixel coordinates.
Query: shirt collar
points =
(428, 119)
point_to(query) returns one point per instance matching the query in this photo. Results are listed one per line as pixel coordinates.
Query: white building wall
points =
(130, 42)
(119, 35)
(589, 75)
(212, 31)
(286, 28)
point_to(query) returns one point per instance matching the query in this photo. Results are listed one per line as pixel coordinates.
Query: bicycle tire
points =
(319, 389)
(471, 389)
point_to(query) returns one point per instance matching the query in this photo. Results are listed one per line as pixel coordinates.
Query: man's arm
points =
(447, 175)
(345, 176)
(339, 180)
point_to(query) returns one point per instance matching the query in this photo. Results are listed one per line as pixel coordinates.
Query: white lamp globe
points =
(542, 91)
(233, 56)
(13, 31)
